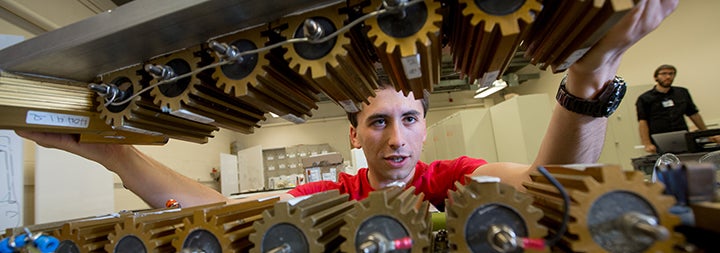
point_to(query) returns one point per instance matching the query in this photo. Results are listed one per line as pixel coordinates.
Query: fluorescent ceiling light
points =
(273, 115)
(496, 86)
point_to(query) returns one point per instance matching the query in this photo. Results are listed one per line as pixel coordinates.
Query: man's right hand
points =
(101, 153)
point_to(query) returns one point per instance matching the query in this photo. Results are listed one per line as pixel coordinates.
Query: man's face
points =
(665, 77)
(391, 131)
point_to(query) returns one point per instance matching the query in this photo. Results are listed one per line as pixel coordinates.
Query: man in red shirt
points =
(391, 130)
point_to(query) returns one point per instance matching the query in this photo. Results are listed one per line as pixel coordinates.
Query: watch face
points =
(615, 98)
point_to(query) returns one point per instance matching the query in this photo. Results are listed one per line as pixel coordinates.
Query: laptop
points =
(671, 142)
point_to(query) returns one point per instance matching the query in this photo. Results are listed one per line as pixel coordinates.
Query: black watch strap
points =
(603, 106)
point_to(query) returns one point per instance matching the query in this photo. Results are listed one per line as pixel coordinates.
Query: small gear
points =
(221, 229)
(127, 80)
(602, 197)
(332, 65)
(311, 225)
(487, 34)
(408, 44)
(172, 95)
(393, 214)
(473, 210)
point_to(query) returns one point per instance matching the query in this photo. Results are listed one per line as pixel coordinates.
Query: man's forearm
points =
(155, 183)
(644, 132)
(698, 121)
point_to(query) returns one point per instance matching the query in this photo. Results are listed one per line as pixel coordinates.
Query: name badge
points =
(668, 103)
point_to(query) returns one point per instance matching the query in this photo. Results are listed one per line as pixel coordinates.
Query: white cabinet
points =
(519, 125)
(468, 132)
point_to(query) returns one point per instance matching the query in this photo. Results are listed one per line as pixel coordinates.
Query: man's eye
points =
(410, 119)
(380, 122)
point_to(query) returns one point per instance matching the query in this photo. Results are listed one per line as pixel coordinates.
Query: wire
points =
(566, 205)
(267, 48)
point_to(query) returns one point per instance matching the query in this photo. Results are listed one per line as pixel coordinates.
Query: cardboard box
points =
(322, 160)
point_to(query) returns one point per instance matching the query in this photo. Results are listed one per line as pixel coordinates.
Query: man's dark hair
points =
(425, 100)
(665, 66)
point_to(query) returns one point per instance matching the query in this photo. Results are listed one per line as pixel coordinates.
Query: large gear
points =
(393, 213)
(310, 225)
(487, 33)
(253, 80)
(333, 64)
(601, 199)
(194, 100)
(408, 45)
(473, 210)
(221, 229)
(140, 115)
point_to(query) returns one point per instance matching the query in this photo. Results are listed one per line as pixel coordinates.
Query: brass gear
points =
(140, 115)
(311, 225)
(600, 195)
(487, 35)
(254, 82)
(401, 213)
(221, 229)
(191, 99)
(149, 231)
(477, 206)
(88, 235)
(414, 39)
(332, 65)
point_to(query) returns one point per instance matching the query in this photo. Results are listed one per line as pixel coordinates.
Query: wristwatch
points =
(603, 106)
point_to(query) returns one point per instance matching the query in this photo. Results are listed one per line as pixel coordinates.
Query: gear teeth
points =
(141, 115)
(339, 72)
(89, 235)
(412, 62)
(586, 188)
(317, 219)
(154, 229)
(194, 100)
(261, 82)
(410, 211)
(484, 43)
(229, 227)
(469, 199)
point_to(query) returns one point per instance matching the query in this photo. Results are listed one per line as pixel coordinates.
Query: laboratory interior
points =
(283, 126)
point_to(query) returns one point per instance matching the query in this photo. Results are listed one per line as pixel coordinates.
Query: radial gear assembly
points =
(311, 225)
(191, 99)
(139, 114)
(407, 41)
(486, 35)
(254, 79)
(488, 216)
(334, 65)
(610, 210)
(391, 219)
(221, 229)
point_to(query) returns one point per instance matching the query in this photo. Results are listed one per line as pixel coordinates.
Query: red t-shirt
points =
(434, 180)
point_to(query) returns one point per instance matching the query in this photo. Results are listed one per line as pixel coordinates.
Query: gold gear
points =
(311, 225)
(337, 72)
(394, 206)
(151, 230)
(484, 43)
(259, 86)
(90, 235)
(126, 80)
(500, 203)
(191, 99)
(423, 45)
(140, 115)
(592, 190)
(221, 229)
